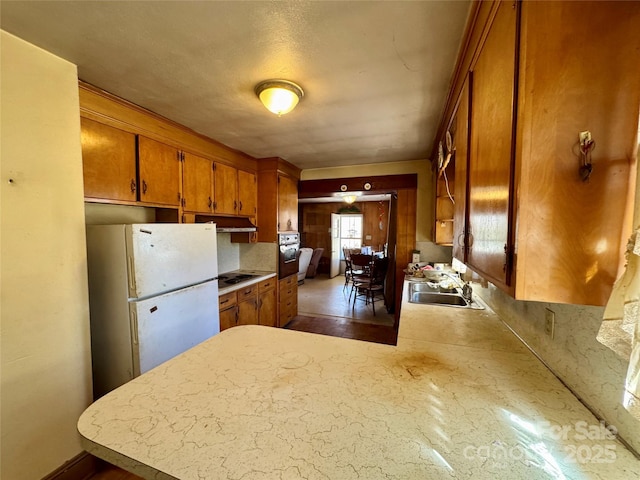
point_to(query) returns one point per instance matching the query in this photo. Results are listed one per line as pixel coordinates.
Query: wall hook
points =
(586, 145)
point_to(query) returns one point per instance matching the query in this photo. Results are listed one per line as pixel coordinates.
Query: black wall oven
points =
(289, 245)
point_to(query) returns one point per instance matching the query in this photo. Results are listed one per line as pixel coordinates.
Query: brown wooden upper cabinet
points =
(287, 204)
(109, 162)
(277, 198)
(159, 170)
(247, 194)
(460, 140)
(225, 189)
(491, 146)
(197, 184)
(215, 188)
(541, 73)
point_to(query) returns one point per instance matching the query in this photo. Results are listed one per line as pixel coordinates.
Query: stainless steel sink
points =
(430, 294)
(431, 288)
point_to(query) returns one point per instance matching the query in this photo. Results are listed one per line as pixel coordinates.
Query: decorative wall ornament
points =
(349, 209)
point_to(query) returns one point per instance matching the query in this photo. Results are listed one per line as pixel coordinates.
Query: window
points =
(350, 231)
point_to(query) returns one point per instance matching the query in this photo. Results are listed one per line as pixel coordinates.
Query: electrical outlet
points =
(585, 137)
(549, 322)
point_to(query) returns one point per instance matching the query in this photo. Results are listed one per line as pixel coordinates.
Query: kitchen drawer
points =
(268, 284)
(246, 292)
(288, 293)
(227, 300)
(289, 281)
(288, 302)
(288, 310)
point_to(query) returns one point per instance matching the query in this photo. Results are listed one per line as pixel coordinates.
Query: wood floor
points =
(342, 327)
(109, 472)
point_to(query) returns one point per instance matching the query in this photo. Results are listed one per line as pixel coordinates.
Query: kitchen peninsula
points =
(458, 397)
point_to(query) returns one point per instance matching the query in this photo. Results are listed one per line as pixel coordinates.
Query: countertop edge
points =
(252, 281)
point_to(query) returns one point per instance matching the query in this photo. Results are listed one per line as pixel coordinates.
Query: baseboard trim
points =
(81, 467)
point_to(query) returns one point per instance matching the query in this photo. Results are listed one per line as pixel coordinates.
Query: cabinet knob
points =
(210, 203)
(235, 204)
(144, 187)
(240, 209)
(133, 186)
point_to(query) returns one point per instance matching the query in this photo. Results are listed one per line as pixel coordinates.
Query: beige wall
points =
(105, 214)
(46, 369)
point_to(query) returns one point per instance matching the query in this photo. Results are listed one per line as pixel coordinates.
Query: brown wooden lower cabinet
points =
(288, 289)
(248, 305)
(267, 303)
(228, 305)
(252, 305)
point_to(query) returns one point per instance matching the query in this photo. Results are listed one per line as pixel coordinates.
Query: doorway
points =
(401, 214)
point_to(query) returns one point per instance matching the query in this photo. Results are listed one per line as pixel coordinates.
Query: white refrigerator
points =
(153, 293)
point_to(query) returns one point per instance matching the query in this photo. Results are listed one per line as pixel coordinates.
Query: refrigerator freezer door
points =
(162, 257)
(167, 325)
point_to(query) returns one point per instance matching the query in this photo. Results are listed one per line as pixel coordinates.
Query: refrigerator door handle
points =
(131, 276)
(134, 328)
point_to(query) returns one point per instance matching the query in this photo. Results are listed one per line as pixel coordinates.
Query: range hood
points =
(232, 224)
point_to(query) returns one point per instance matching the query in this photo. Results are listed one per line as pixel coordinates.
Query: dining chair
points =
(348, 269)
(371, 286)
(361, 269)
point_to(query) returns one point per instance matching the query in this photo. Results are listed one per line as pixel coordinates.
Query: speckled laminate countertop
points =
(458, 397)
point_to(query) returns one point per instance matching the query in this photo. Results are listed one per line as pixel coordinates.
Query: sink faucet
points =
(467, 291)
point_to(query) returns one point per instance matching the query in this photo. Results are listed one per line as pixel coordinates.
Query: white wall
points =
(46, 370)
(425, 212)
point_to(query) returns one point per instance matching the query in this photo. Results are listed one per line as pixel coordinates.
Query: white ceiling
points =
(375, 74)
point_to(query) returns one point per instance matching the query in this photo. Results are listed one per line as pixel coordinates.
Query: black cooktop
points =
(234, 278)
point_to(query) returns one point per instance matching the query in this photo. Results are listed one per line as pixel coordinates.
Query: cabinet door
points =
(461, 146)
(228, 318)
(108, 161)
(577, 73)
(491, 153)
(226, 189)
(267, 308)
(197, 184)
(287, 204)
(159, 167)
(247, 193)
(248, 311)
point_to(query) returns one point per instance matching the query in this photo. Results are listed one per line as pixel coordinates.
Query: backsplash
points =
(228, 254)
(245, 256)
(431, 252)
(259, 256)
(590, 369)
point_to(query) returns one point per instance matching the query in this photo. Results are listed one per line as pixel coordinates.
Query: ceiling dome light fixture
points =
(279, 96)
(349, 198)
